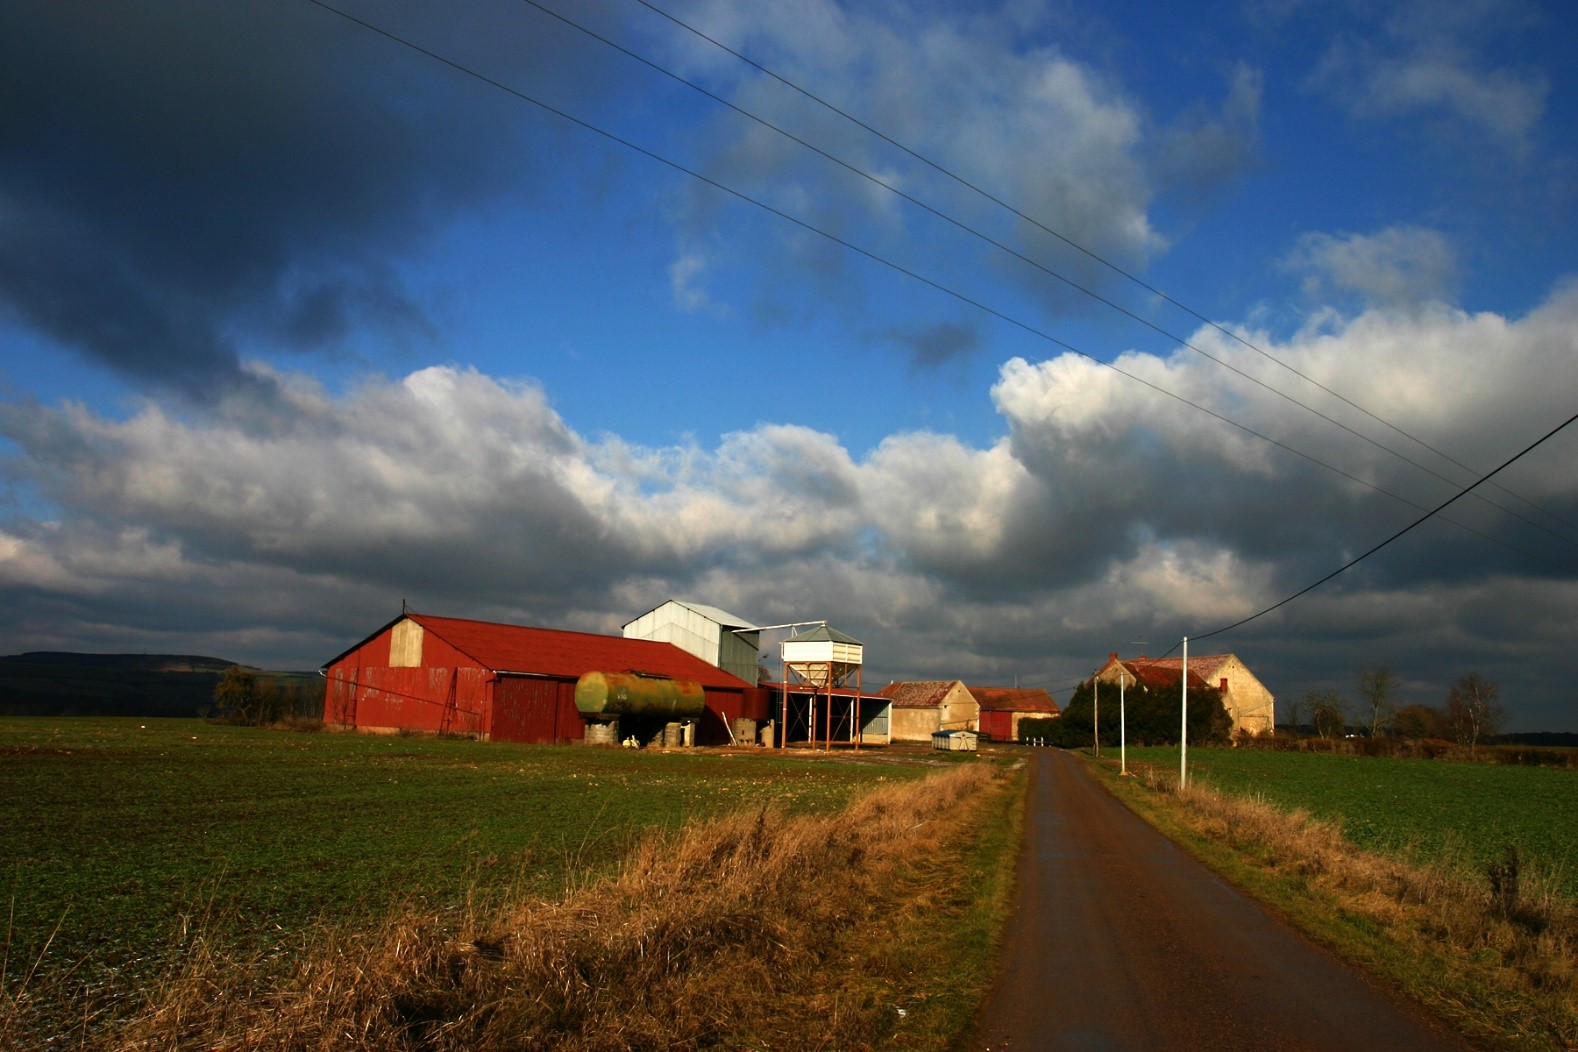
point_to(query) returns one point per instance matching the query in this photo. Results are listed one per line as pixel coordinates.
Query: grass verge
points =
(1496, 957)
(117, 835)
(872, 928)
(1465, 815)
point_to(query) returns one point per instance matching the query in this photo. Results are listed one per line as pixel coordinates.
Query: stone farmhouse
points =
(1249, 704)
(922, 708)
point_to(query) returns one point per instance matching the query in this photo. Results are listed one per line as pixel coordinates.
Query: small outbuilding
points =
(513, 682)
(921, 708)
(1002, 709)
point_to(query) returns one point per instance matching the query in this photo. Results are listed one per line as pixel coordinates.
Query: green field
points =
(1464, 813)
(116, 830)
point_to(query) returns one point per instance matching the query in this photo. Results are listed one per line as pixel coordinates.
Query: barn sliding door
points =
(524, 709)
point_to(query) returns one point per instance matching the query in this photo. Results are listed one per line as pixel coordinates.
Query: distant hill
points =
(60, 683)
(133, 662)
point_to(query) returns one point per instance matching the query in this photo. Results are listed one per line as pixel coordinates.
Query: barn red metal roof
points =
(1014, 699)
(568, 655)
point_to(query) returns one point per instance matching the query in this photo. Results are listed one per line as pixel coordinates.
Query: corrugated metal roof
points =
(823, 633)
(568, 655)
(723, 617)
(712, 613)
(1014, 699)
(845, 691)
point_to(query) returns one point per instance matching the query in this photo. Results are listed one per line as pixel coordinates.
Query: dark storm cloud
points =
(178, 178)
(933, 346)
(1107, 514)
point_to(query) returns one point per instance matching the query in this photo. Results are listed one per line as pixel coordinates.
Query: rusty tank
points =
(637, 694)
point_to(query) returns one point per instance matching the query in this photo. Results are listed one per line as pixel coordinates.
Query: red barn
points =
(1002, 708)
(506, 682)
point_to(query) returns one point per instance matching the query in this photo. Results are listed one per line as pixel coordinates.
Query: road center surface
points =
(1121, 940)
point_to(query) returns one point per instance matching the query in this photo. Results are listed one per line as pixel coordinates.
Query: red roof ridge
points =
(507, 648)
(1014, 699)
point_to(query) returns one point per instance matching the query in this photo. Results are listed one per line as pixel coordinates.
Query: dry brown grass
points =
(1497, 955)
(749, 931)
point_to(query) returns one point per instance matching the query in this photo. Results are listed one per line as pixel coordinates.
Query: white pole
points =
(1095, 712)
(1183, 734)
(1123, 727)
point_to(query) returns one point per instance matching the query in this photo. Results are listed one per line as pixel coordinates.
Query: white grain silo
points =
(822, 659)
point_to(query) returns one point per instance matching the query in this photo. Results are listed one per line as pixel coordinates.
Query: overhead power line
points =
(882, 261)
(1089, 253)
(1351, 563)
(1016, 254)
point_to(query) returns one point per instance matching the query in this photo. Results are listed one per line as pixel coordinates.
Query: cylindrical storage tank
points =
(630, 694)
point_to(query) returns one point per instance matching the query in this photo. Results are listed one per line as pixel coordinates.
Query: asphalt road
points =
(1121, 940)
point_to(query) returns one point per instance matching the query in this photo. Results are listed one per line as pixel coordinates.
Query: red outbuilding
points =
(507, 682)
(1002, 709)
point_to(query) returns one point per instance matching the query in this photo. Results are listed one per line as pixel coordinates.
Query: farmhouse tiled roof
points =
(1014, 699)
(918, 694)
(1207, 665)
(1162, 672)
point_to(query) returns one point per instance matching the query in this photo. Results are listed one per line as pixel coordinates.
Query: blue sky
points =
(296, 322)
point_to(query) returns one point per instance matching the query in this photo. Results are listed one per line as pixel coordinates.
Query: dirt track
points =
(1121, 940)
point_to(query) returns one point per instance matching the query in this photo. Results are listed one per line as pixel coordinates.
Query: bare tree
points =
(1419, 721)
(1377, 693)
(1473, 709)
(1328, 711)
(1296, 708)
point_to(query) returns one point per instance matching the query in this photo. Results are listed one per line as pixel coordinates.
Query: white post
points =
(1183, 735)
(1123, 727)
(1095, 712)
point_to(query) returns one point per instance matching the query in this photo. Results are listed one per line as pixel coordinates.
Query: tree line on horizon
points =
(1471, 713)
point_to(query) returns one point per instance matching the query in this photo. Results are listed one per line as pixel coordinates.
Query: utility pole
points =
(1123, 727)
(1095, 711)
(1183, 734)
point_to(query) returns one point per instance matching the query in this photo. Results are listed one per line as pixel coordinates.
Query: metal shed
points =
(716, 636)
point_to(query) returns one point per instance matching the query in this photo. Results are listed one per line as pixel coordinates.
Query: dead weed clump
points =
(1500, 945)
(745, 931)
